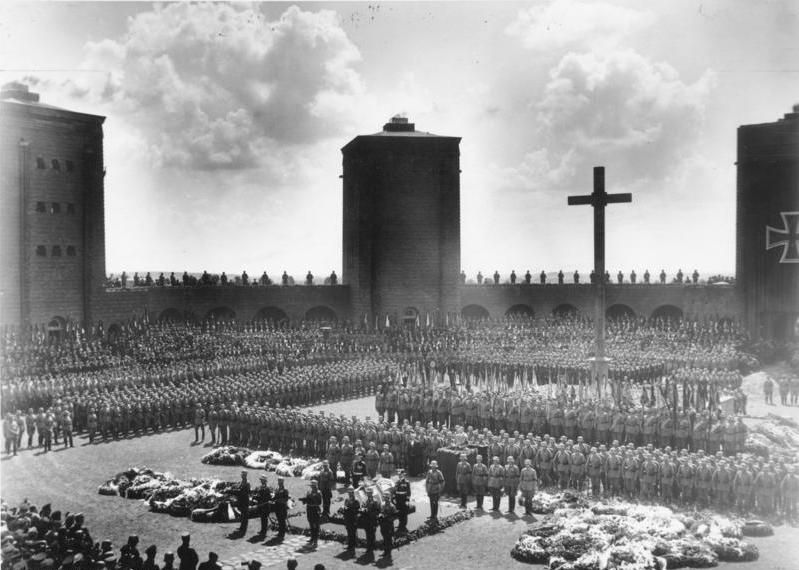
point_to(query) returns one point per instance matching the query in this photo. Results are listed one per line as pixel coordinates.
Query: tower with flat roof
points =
(52, 245)
(401, 239)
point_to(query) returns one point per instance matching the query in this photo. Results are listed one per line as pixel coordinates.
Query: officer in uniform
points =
(313, 510)
(511, 483)
(594, 467)
(496, 478)
(351, 511)
(263, 497)
(281, 507)
(402, 494)
(387, 515)
(742, 488)
(327, 482)
(243, 502)
(463, 479)
(371, 512)
(613, 468)
(434, 485)
(668, 474)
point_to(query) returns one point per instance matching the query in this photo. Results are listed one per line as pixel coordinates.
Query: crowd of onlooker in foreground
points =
(46, 539)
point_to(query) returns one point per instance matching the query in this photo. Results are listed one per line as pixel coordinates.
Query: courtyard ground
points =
(69, 480)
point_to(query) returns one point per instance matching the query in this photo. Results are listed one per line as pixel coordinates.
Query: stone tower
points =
(52, 245)
(402, 224)
(767, 252)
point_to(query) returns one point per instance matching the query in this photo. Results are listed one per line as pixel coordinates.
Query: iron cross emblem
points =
(786, 237)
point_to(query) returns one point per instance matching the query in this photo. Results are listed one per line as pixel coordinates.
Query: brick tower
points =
(402, 224)
(52, 245)
(767, 261)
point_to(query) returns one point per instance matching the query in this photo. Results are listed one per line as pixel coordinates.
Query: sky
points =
(225, 121)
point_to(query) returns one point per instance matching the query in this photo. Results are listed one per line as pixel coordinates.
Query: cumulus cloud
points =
(218, 86)
(571, 23)
(623, 109)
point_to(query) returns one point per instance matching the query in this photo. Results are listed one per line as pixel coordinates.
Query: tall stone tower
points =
(402, 224)
(52, 245)
(767, 254)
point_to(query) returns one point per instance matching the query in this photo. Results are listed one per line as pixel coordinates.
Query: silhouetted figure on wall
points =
(646, 277)
(633, 277)
(309, 279)
(576, 276)
(161, 280)
(496, 277)
(333, 278)
(173, 281)
(607, 276)
(513, 277)
(592, 277)
(662, 276)
(285, 278)
(463, 277)
(543, 277)
(695, 277)
(479, 278)
(265, 279)
(527, 277)
(185, 278)
(245, 279)
(679, 276)
(223, 279)
(620, 277)
(560, 277)
(148, 279)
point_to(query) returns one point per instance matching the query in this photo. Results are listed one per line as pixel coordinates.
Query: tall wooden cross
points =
(599, 199)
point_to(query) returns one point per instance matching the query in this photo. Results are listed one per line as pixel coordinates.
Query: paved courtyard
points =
(69, 480)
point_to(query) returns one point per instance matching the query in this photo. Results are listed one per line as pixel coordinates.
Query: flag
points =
(388, 324)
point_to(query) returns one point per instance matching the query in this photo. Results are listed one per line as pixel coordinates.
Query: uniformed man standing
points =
(511, 483)
(327, 482)
(528, 482)
(313, 510)
(281, 507)
(463, 479)
(371, 512)
(496, 478)
(243, 502)
(263, 497)
(434, 485)
(387, 515)
(402, 494)
(351, 511)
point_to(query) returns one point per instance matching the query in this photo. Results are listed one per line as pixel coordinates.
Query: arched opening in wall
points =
(56, 329)
(410, 316)
(273, 315)
(565, 310)
(321, 314)
(113, 334)
(667, 313)
(474, 312)
(619, 312)
(171, 315)
(520, 311)
(221, 314)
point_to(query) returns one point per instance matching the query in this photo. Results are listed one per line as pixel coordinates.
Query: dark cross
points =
(599, 199)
